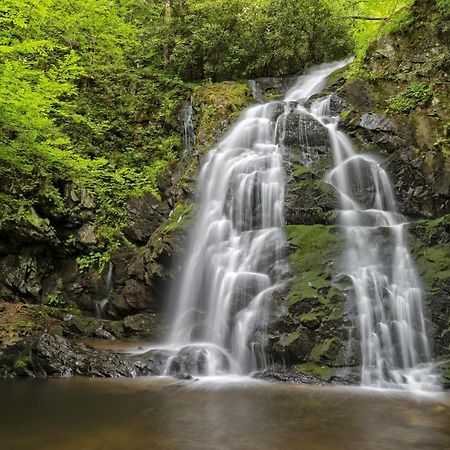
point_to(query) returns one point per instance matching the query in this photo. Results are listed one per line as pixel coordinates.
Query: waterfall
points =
(231, 268)
(187, 114)
(394, 345)
(234, 262)
(100, 306)
(395, 350)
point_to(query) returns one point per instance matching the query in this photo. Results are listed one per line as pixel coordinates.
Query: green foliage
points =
(414, 95)
(239, 39)
(53, 300)
(78, 104)
(90, 89)
(364, 31)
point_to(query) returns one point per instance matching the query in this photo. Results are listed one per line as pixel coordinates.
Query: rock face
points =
(48, 258)
(47, 355)
(395, 105)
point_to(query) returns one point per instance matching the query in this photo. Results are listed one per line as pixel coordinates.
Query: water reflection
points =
(92, 414)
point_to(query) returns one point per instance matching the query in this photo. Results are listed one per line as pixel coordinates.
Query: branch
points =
(364, 18)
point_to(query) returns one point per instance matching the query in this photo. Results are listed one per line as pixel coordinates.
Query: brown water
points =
(93, 414)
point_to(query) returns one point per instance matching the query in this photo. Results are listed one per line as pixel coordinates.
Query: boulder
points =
(48, 355)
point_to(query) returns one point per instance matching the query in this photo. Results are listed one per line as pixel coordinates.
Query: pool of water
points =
(160, 413)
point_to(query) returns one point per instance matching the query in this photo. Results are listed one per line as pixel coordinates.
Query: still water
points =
(160, 413)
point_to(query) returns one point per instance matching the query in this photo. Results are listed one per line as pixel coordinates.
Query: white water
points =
(100, 306)
(395, 350)
(394, 346)
(188, 129)
(230, 272)
(233, 265)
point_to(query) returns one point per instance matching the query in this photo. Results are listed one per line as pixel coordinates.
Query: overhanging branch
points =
(364, 18)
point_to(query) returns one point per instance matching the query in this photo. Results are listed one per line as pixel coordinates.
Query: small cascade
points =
(100, 306)
(187, 118)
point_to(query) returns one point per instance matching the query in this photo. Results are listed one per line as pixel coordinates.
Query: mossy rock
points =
(320, 371)
(314, 327)
(317, 247)
(430, 245)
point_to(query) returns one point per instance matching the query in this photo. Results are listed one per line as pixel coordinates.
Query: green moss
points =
(412, 97)
(434, 264)
(321, 349)
(216, 105)
(288, 339)
(311, 316)
(318, 246)
(299, 171)
(22, 364)
(316, 370)
(180, 218)
(432, 258)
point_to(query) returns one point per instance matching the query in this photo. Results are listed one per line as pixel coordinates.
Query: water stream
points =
(235, 259)
(394, 346)
(100, 306)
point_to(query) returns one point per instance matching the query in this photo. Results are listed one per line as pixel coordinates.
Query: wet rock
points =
(264, 89)
(288, 377)
(86, 235)
(430, 244)
(78, 196)
(309, 201)
(20, 275)
(375, 122)
(156, 358)
(301, 129)
(145, 324)
(46, 355)
(145, 214)
(136, 294)
(336, 104)
(197, 360)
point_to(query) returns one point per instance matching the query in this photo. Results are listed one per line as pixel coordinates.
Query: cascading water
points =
(387, 290)
(231, 269)
(390, 320)
(188, 129)
(100, 306)
(234, 262)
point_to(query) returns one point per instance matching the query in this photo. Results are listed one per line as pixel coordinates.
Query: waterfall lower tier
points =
(386, 288)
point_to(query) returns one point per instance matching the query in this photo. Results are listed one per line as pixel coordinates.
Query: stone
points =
(47, 355)
(145, 214)
(375, 122)
(136, 294)
(86, 235)
(145, 324)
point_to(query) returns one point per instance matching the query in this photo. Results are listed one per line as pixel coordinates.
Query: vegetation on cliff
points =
(90, 93)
